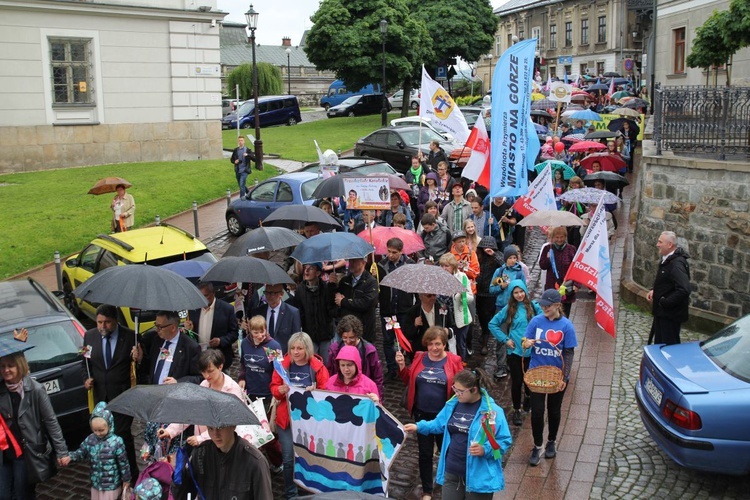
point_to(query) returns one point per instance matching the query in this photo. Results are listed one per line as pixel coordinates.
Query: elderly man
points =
(282, 319)
(172, 356)
(215, 324)
(670, 295)
(358, 295)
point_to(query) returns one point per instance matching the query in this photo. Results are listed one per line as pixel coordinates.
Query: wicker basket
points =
(544, 379)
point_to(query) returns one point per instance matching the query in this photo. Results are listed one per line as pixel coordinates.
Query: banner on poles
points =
(369, 193)
(540, 195)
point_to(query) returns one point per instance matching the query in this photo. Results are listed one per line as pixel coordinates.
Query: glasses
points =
(162, 327)
(459, 392)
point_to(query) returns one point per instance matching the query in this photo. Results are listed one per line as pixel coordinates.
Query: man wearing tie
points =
(241, 158)
(215, 324)
(108, 373)
(282, 319)
(173, 356)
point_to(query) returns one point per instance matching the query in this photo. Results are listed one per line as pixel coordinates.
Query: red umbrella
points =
(608, 162)
(584, 146)
(381, 234)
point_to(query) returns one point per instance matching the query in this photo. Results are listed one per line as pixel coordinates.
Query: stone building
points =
(91, 82)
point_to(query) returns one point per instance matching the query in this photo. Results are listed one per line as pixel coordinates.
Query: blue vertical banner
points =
(511, 126)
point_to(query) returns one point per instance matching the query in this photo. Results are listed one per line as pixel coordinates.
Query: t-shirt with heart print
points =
(552, 338)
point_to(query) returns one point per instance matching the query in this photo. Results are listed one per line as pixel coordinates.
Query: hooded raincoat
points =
(518, 323)
(360, 384)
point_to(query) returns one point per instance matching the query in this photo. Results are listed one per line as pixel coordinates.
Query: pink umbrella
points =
(584, 146)
(608, 162)
(379, 236)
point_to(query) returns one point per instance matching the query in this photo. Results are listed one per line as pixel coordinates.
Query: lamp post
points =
(288, 71)
(384, 110)
(252, 22)
(488, 57)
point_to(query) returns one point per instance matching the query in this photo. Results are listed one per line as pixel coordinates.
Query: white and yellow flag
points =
(436, 104)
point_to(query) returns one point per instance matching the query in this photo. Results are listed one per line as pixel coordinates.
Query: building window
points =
(584, 31)
(537, 33)
(678, 35)
(552, 36)
(583, 69)
(521, 35)
(568, 34)
(568, 70)
(600, 68)
(553, 72)
(498, 45)
(510, 40)
(71, 71)
(602, 33)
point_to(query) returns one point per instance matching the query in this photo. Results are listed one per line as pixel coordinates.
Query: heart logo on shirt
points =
(554, 337)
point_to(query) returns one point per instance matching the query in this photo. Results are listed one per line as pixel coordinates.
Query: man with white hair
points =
(670, 295)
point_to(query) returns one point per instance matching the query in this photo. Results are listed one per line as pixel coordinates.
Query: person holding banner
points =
(475, 437)
(556, 257)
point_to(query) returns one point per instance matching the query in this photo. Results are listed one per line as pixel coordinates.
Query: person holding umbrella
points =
(31, 428)
(123, 210)
(357, 294)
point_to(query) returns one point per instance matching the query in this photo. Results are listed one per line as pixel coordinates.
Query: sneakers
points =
(535, 456)
(517, 420)
(500, 374)
(549, 450)
(469, 351)
(276, 470)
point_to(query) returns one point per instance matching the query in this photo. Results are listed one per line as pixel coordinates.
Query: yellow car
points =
(156, 246)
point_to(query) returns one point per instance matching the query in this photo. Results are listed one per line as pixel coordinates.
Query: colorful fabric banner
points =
(371, 193)
(436, 104)
(342, 442)
(540, 195)
(478, 167)
(511, 105)
(592, 267)
(533, 146)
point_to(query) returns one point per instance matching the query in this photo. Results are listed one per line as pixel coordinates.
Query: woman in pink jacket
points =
(350, 377)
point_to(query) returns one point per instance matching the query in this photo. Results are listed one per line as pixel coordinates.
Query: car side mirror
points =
(71, 263)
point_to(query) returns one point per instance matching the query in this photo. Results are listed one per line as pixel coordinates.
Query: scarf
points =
(416, 173)
(17, 387)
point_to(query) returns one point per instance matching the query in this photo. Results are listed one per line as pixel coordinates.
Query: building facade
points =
(89, 82)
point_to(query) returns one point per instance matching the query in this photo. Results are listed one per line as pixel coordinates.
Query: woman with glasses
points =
(475, 437)
(429, 382)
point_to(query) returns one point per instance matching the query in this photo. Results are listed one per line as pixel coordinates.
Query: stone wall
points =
(44, 147)
(706, 204)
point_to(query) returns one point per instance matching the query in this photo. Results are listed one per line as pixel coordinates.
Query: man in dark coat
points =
(242, 157)
(314, 299)
(172, 356)
(357, 294)
(215, 324)
(282, 319)
(670, 295)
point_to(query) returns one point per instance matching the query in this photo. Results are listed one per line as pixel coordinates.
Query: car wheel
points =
(414, 105)
(246, 125)
(326, 106)
(351, 114)
(70, 299)
(234, 226)
(291, 121)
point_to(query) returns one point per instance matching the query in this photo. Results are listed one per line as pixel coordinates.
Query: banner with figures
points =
(592, 267)
(342, 442)
(540, 195)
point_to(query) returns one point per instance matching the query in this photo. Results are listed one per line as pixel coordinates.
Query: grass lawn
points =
(50, 210)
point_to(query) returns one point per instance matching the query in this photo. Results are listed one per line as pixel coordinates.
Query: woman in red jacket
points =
(304, 369)
(430, 385)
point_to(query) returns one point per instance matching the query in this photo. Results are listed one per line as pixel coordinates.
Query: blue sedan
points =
(694, 400)
(286, 189)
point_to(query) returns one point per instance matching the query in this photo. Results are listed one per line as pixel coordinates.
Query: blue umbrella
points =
(586, 115)
(189, 268)
(332, 246)
(540, 129)
(8, 347)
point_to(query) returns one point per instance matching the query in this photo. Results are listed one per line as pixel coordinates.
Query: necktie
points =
(160, 363)
(272, 323)
(108, 351)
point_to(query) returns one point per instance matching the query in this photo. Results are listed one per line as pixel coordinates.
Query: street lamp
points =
(252, 22)
(384, 111)
(288, 71)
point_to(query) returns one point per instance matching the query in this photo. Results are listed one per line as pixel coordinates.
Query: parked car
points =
(358, 105)
(397, 99)
(156, 246)
(413, 121)
(694, 398)
(272, 110)
(362, 165)
(286, 189)
(55, 361)
(338, 93)
(229, 105)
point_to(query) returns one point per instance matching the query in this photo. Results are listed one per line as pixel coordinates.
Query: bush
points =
(467, 99)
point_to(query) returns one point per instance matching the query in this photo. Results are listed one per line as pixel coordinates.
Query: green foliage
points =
(466, 100)
(270, 81)
(738, 30)
(709, 46)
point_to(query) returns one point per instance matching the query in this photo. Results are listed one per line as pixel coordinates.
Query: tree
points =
(269, 80)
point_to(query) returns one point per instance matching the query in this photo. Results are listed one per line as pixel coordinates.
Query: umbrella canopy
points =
(540, 129)
(626, 112)
(264, 239)
(141, 286)
(553, 164)
(543, 104)
(189, 268)
(586, 115)
(601, 134)
(616, 124)
(394, 181)
(381, 234)
(568, 172)
(588, 196)
(581, 97)
(608, 162)
(296, 216)
(610, 179)
(611, 74)
(540, 112)
(597, 88)
(247, 270)
(8, 347)
(551, 218)
(619, 95)
(331, 246)
(572, 138)
(183, 403)
(108, 185)
(421, 278)
(621, 81)
(584, 146)
(636, 103)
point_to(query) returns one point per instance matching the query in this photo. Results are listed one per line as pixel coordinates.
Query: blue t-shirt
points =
(258, 368)
(300, 376)
(458, 427)
(559, 333)
(431, 385)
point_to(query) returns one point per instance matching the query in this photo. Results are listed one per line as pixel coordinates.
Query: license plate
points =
(52, 386)
(653, 391)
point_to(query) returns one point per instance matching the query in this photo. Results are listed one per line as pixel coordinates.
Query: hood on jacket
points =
(433, 176)
(350, 353)
(101, 411)
(518, 284)
(679, 252)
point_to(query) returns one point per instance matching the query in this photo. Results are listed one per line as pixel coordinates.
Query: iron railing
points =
(712, 122)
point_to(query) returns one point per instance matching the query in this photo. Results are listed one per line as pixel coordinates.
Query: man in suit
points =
(241, 158)
(368, 221)
(358, 295)
(108, 373)
(215, 324)
(172, 356)
(425, 313)
(282, 319)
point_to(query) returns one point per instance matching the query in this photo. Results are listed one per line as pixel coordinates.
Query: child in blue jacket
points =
(500, 287)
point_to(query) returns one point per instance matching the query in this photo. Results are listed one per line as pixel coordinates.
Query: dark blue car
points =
(272, 110)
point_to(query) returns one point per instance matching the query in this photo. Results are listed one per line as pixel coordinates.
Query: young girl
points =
(500, 287)
(472, 238)
(509, 326)
(350, 377)
(110, 471)
(559, 186)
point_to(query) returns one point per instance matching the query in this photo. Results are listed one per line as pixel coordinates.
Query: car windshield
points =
(351, 100)
(412, 138)
(55, 344)
(730, 349)
(308, 188)
(204, 255)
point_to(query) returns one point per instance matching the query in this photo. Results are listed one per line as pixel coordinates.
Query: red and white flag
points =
(540, 195)
(593, 268)
(478, 167)
(611, 90)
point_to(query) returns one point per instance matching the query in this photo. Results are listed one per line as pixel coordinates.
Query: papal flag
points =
(436, 104)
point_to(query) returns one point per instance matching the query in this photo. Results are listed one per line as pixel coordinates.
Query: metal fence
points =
(710, 122)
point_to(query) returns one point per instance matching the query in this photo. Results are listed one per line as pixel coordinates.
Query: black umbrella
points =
(183, 403)
(296, 216)
(247, 270)
(334, 185)
(635, 103)
(616, 124)
(597, 88)
(611, 74)
(264, 239)
(611, 179)
(601, 134)
(540, 112)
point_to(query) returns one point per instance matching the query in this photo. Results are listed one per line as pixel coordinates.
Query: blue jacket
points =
(518, 324)
(483, 474)
(512, 273)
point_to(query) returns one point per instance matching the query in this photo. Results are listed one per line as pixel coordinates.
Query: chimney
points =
(286, 42)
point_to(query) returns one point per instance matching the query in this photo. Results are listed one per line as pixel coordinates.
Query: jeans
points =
(426, 446)
(501, 356)
(554, 403)
(454, 488)
(460, 334)
(287, 456)
(322, 349)
(13, 483)
(516, 379)
(241, 180)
